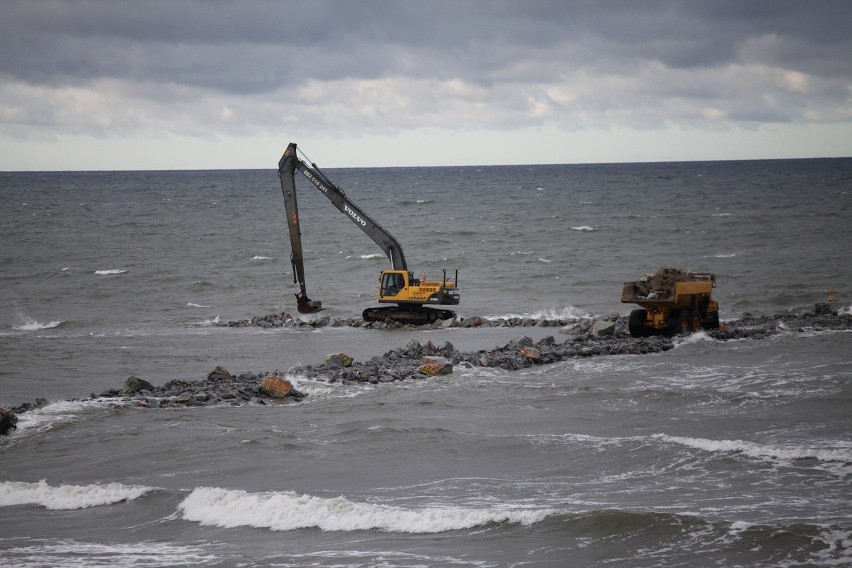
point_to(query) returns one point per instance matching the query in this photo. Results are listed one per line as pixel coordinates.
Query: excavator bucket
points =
(307, 306)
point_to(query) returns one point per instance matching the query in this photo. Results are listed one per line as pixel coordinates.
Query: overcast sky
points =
(215, 84)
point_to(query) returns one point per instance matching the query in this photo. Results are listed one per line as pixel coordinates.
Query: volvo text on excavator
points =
(396, 286)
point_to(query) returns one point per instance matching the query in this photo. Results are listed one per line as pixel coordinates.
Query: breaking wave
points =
(67, 497)
(284, 511)
(33, 325)
(584, 228)
(569, 313)
(45, 418)
(751, 449)
(110, 271)
(208, 322)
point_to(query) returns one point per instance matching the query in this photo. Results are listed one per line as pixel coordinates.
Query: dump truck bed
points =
(673, 295)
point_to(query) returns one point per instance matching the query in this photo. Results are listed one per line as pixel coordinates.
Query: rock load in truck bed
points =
(661, 284)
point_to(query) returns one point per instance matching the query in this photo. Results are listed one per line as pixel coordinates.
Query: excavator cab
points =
(393, 282)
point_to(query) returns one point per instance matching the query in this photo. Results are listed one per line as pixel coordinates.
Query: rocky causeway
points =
(589, 337)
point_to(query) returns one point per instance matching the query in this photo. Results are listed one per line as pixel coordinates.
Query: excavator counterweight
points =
(397, 286)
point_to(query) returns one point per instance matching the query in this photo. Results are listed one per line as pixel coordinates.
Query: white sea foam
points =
(319, 389)
(751, 449)
(568, 313)
(73, 554)
(285, 511)
(193, 305)
(67, 497)
(544, 260)
(845, 311)
(33, 325)
(208, 322)
(584, 228)
(110, 271)
(725, 255)
(692, 338)
(43, 419)
(258, 257)
(372, 255)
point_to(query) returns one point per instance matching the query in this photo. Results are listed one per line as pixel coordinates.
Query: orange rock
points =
(432, 366)
(276, 387)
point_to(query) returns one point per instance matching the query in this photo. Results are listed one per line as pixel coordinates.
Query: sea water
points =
(733, 453)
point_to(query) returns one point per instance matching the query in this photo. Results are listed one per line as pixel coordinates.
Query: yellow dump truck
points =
(673, 301)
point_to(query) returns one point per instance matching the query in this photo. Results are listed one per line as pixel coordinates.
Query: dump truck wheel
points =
(673, 323)
(695, 321)
(713, 320)
(684, 327)
(636, 323)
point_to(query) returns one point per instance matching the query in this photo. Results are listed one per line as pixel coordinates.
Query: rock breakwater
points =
(600, 336)
(284, 319)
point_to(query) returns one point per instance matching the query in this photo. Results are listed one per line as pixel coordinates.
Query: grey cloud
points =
(262, 45)
(194, 64)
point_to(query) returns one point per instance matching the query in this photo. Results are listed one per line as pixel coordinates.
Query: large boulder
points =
(603, 328)
(8, 421)
(475, 321)
(531, 353)
(432, 366)
(218, 373)
(276, 387)
(339, 359)
(135, 384)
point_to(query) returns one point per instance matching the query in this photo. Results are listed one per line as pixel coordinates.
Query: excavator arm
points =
(287, 166)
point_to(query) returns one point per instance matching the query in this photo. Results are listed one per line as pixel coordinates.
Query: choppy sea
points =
(733, 453)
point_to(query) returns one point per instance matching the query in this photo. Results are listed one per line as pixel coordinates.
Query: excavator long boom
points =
(287, 166)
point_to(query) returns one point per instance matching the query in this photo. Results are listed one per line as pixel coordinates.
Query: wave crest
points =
(33, 325)
(284, 511)
(759, 451)
(110, 271)
(67, 497)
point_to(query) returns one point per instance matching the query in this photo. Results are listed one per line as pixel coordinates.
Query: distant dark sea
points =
(713, 453)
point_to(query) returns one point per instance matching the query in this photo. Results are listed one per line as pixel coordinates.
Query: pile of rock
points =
(661, 284)
(605, 335)
(287, 321)
(219, 387)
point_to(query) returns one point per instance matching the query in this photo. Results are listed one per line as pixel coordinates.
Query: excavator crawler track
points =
(414, 315)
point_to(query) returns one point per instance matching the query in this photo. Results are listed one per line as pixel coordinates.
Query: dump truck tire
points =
(695, 321)
(713, 320)
(636, 323)
(679, 323)
(685, 323)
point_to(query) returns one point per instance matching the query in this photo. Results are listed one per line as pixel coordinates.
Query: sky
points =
(214, 84)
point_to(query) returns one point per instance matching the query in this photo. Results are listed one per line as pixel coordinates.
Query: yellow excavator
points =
(396, 286)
